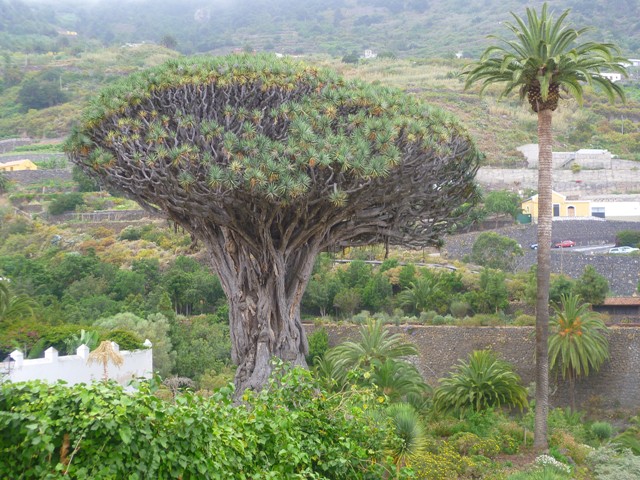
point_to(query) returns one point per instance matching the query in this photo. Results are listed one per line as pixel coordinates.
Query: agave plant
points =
(483, 382)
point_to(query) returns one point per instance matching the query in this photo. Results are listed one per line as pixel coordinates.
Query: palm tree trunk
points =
(545, 184)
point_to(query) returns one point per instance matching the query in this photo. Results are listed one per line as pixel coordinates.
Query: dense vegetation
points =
(336, 27)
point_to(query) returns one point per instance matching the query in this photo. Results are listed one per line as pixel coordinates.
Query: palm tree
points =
(543, 60)
(14, 306)
(419, 296)
(104, 354)
(577, 343)
(483, 382)
(376, 345)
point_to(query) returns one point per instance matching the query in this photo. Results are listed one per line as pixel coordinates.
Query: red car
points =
(565, 244)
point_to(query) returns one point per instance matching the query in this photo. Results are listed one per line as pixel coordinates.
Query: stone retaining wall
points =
(11, 143)
(586, 182)
(36, 176)
(617, 384)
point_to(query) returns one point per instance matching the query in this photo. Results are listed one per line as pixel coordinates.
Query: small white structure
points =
(613, 76)
(589, 158)
(459, 54)
(74, 368)
(370, 54)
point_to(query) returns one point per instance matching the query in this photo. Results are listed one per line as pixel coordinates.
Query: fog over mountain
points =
(404, 28)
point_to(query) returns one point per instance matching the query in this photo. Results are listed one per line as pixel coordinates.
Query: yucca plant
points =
(483, 382)
(577, 342)
(409, 430)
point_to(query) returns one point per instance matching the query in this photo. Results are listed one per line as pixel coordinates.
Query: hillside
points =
(402, 27)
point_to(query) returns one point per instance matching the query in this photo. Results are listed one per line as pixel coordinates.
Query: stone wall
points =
(440, 348)
(36, 176)
(586, 182)
(11, 143)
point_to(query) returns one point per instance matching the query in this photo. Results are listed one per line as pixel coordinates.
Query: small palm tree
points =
(542, 61)
(483, 382)
(418, 297)
(399, 380)
(376, 345)
(578, 342)
(14, 306)
(104, 354)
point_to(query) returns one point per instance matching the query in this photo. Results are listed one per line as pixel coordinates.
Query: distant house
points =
(589, 158)
(563, 206)
(612, 207)
(614, 77)
(18, 165)
(620, 308)
(369, 54)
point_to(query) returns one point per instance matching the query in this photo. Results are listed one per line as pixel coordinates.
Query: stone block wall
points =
(617, 384)
(11, 143)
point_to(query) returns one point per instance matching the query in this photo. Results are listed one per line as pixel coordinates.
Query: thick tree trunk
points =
(545, 211)
(264, 294)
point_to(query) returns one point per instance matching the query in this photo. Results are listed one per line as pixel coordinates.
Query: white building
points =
(613, 76)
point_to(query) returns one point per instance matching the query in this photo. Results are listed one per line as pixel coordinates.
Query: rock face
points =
(617, 384)
(622, 271)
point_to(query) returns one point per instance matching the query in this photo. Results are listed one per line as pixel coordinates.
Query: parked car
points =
(624, 249)
(565, 244)
(533, 246)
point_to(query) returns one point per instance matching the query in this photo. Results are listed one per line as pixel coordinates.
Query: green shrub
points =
(65, 202)
(130, 233)
(459, 308)
(524, 320)
(125, 339)
(630, 238)
(438, 320)
(318, 345)
(426, 318)
(607, 464)
(290, 430)
(601, 430)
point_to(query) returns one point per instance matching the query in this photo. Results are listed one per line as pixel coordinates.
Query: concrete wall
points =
(440, 348)
(75, 369)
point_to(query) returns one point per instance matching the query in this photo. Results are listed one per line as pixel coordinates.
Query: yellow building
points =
(17, 165)
(562, 206)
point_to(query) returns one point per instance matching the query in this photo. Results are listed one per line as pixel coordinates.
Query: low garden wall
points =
(617, 384)
(75, 369)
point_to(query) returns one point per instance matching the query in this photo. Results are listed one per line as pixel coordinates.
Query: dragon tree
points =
(268, 162)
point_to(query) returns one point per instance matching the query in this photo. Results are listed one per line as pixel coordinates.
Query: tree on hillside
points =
(269, 162)
(503, 202)
(495, 251)
(591, 286)
(578, 341)
(543, 60)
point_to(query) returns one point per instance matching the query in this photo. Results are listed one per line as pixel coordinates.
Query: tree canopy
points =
(269, 161)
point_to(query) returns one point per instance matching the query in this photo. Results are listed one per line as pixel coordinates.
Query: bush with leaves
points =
(65, 202)
(481, 383)
(292, 429)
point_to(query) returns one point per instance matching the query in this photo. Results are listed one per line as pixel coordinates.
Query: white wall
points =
(619, 209)
(75, 369)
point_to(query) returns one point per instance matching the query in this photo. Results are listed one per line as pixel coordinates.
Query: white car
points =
(623, 249)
